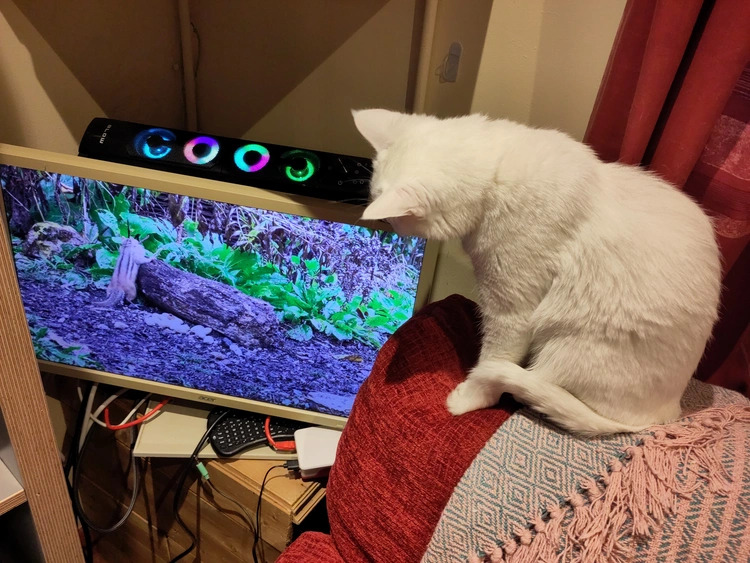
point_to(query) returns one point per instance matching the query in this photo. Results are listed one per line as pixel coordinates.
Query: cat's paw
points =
(470, 396)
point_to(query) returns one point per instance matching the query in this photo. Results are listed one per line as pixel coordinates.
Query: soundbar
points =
(295, 170)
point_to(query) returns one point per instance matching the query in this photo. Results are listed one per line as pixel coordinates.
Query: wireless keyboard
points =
(242, 430)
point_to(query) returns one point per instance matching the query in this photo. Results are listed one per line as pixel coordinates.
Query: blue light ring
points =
(142, 148)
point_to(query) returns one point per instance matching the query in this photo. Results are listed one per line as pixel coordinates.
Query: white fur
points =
(602, 279)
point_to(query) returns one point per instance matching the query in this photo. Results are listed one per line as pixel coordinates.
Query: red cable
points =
(135, 422)
(289, 446)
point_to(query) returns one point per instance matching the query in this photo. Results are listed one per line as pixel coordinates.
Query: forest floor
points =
(321, 374)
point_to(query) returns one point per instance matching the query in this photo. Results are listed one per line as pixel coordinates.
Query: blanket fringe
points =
(603, 518)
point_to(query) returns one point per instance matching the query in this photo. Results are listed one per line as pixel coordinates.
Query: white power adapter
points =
(316, 451)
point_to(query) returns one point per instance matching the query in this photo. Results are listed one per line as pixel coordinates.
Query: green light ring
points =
(300, 175)
(311, 165)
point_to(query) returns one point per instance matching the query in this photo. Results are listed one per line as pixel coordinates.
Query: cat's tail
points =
(559, 405)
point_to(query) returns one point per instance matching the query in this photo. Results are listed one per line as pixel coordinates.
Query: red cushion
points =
(311, 547)
(402, 453)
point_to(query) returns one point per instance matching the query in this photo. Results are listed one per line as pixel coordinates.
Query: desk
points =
(151, 533)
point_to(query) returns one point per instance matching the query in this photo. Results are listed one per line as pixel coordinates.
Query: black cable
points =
(72, 456)
(71, 461)
(77, 484)
(214, 489)
(257, 511)
(181, 484)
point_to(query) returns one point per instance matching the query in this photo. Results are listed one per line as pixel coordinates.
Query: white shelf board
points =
(176, 430)
(11, 491)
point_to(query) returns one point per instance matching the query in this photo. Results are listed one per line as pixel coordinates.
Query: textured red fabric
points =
(721, 182)
(311, 547)
(402, 453)
(670, 73)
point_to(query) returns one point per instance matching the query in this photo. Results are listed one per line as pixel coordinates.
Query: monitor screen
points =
(227, 297)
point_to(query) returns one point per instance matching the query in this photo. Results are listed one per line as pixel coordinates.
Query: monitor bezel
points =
(193, 186)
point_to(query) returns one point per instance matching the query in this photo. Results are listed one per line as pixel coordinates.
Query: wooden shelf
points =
(27, 433)
(11, 491)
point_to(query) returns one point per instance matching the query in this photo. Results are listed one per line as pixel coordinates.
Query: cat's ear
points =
(378, 126)
(392, 203)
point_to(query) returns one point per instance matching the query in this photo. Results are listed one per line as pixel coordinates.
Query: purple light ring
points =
(190, 145)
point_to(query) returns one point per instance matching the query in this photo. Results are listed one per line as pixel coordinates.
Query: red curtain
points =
(675, 98)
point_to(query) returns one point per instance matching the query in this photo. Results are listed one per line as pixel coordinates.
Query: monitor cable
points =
(77, 484)
(258, 536)
(291, 465)
(193, 462)
(185, 471)
(81, 437)
(71, 460)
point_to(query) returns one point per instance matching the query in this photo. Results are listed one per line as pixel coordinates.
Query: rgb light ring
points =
(189, 149)
(142, 147)
(300, 175)
(239, 157)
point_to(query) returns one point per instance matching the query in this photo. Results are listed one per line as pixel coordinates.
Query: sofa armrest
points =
(311, 547)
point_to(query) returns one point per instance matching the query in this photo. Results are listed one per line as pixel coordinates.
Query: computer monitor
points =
(205, 290)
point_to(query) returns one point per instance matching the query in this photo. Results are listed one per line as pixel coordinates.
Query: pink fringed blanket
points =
(678, 492)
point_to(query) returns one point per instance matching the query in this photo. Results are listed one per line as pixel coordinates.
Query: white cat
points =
(601, 278)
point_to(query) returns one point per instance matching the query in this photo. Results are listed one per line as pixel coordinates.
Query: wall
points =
(541, 65)
(65, 64)
(262, 70)
(464, 23)
(371, 67)
(543, 61)
(30, 116)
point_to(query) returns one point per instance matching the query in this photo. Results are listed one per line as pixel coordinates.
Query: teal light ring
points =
(239, 157)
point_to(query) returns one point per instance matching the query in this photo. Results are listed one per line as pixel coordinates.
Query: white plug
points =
(316, 451)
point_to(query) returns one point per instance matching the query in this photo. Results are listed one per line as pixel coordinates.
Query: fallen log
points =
(246, 320)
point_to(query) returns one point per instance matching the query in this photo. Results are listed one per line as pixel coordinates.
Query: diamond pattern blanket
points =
(679, 492)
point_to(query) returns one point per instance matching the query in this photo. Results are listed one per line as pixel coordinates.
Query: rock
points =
(181, 328)
(167, 321)
(47, 238)
(201, 330)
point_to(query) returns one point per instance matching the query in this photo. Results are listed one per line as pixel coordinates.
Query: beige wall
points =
(279, 72)
(465, 23)
(369, 68)
(29, 116)
(60, 67)
(543, 61)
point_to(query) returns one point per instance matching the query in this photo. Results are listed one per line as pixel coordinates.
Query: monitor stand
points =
(177, 429)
